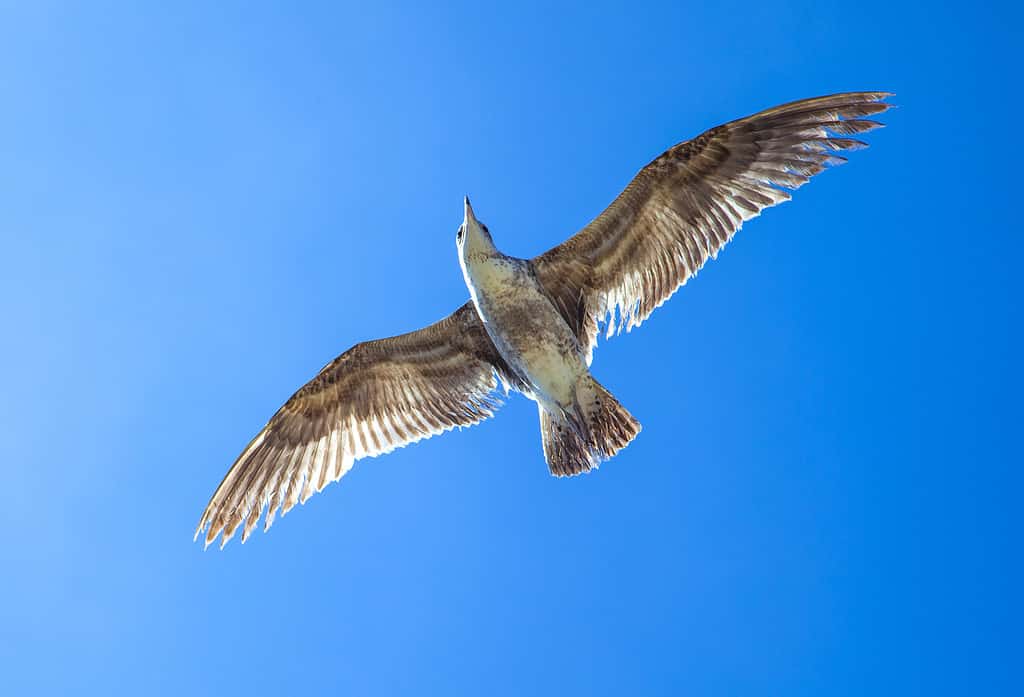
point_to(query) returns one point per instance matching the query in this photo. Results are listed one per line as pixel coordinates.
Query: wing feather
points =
(375, 397)
(685, 206)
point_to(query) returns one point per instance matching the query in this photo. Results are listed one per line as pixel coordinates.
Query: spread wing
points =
(683, 207)
(375, 397)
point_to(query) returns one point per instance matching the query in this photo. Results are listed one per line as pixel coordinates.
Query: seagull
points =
(531, 325)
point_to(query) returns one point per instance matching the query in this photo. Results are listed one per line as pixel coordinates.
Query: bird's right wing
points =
(375, 397)
(683, 207)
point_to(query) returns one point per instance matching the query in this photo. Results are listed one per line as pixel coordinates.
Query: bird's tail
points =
(593, 429)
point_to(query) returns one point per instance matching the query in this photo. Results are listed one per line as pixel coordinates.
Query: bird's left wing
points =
(375, 397)
(683, 207)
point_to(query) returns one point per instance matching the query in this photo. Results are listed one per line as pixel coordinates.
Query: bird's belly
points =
(532, 337)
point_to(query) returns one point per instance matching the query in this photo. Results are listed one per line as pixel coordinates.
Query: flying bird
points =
(532, 324)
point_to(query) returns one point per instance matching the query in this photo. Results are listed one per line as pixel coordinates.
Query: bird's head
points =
(473, 237)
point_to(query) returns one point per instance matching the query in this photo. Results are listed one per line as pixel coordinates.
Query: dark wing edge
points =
(685, 206)
(377, 396)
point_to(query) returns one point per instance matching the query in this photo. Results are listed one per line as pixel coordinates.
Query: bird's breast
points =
(525, 327)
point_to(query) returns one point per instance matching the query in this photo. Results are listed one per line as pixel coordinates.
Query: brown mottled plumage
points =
(683, 207)
(377, 396)
(541, 316)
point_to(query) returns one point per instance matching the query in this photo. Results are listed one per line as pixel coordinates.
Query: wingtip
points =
(874, 95)
(881, 97)
(200, 529)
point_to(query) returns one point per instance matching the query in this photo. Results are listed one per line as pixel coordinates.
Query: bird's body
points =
(581, 424)
(533, 323)
(527, 330)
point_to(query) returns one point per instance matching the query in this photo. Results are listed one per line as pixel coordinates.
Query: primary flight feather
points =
(532, 324)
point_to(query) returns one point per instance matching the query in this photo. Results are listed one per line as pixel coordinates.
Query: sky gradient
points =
(200, 206)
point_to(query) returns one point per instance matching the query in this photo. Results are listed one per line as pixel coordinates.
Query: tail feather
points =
(593, 429)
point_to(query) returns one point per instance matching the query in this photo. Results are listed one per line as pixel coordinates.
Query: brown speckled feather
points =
(375, 397)
(683, 207)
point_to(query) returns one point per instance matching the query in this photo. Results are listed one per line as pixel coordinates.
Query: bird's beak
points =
(468, 215)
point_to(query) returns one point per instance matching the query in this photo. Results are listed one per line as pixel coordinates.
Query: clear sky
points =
(203, 203)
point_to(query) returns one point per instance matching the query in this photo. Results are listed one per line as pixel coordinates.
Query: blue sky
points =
(203, 205)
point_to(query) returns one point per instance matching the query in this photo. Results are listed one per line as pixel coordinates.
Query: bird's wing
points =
(683, 207)
(375, 397)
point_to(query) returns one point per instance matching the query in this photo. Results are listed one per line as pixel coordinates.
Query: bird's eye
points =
(458, 235)
(485, 228)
